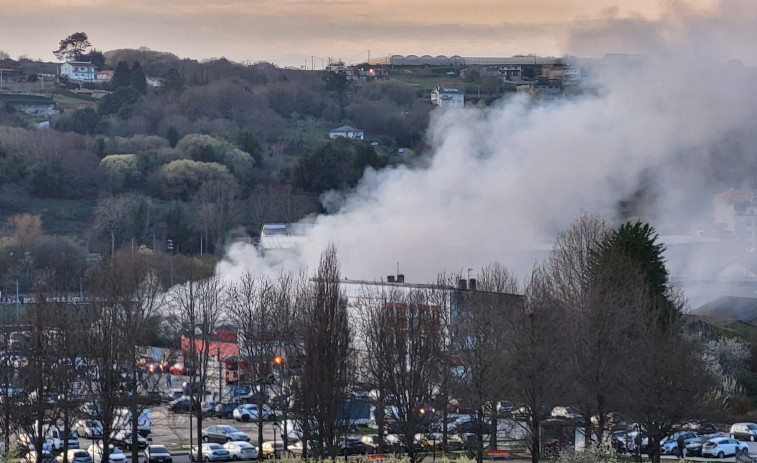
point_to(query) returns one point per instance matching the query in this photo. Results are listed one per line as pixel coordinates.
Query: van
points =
(122, 420)
(744, 431)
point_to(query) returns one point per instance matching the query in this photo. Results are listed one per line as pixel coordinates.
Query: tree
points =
(638, 241)
(95, 57)
(197, 306)
(112, 103)
(127, 293)
(26, 227)
(72, 47)
(535, 333)
(335, 165)
(479, 345)
(137, 78)
(121, 76)
(83, 121)
(597, 315)
(172, 136)
(668, 382)
(248, 142)
(401, 344)
(326, 369)
(260, 307)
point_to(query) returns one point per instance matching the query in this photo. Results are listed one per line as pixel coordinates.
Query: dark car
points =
(157, 454)
(353, 447)
(694, 446)
(151, 398)
(225, 410)
(180, 405)
(223, 433)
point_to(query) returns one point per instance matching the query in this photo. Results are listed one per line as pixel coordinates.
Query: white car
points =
(89, 428)
(249, 412)
(210, 452)
(241, 450)
(115, 455)
(723, 447)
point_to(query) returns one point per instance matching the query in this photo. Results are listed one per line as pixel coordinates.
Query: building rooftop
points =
(346, 128)
(81, 63)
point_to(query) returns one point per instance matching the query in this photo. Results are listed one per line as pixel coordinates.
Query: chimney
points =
(472, 284)
(400, 278)
(390, 278)
(462, 284)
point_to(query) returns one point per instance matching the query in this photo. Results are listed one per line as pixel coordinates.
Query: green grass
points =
(365, 430)
(67, 102)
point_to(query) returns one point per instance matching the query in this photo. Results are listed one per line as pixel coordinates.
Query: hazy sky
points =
(289, 31)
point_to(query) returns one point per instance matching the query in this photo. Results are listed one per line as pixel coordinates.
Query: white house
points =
(78, 70)
(448, 97)
(346, 131)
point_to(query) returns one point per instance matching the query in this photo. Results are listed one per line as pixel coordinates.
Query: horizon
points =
(294, 33)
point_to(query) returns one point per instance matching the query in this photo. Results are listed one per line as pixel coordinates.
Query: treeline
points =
(597, 327)
(243, 145)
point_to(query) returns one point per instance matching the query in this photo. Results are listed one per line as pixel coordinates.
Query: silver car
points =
(241, 450)
(210, 452)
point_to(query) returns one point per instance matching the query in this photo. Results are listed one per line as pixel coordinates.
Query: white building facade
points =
(78, 70)
(448, 97)
(346, 131)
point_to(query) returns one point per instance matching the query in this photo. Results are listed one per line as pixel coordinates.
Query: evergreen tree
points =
(121, 77)
(637, 243)
(137, 79)
(172, 136)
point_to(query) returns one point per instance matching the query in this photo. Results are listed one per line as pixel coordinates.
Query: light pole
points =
(169, 246)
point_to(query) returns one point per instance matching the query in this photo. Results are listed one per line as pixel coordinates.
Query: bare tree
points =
(126, 293)
(667, 382)
(478, 341)
(594, 315)
(326, 369)
(198, 307)
(414, 343)
(535, 356)
(261, 307)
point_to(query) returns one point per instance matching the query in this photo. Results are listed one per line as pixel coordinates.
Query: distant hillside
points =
(728, 309)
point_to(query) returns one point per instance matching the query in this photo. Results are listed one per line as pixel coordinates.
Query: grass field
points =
(68, 103)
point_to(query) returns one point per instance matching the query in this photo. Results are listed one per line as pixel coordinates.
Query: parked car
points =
(568, 413)
(210, 452)
(93, 411)
(669, 445)
(184, 405)
(225, 410)
(174, 394)
(47, 456)
(353, 447)
(249, 412)
(151, 398)
(241, 450)
(744, 431)
(694, 446)
(115, 455)
(75, 456)
(223, 433)
(89, 428)
(700, 427)
(269, 446)
(723, 447)
(157, 454)
(123, 438)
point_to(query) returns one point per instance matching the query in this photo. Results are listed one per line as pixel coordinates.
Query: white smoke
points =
(501, 181)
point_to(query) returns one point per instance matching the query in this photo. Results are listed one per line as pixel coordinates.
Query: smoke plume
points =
(656, 130)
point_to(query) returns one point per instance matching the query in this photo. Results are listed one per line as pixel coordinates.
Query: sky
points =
(290, 32)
